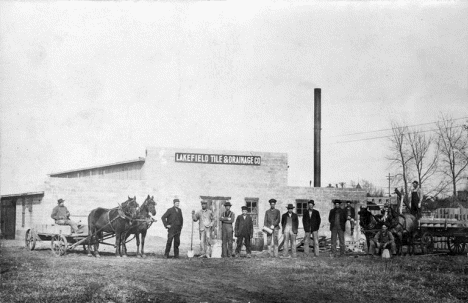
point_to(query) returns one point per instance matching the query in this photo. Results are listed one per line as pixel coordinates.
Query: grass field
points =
(38, 276)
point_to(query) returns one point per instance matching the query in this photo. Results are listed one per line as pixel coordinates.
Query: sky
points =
(90, 83)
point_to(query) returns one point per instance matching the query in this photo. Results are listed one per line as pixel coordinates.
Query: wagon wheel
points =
(455, 244)
(30, 239)
(427, 243)
(59, 245)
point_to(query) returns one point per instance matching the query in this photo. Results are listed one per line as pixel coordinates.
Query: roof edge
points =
(140, 159)
(24, 194)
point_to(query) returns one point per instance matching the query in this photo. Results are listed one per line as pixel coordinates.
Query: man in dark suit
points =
(290, 225)
(244, 232)
(337, 219)
(173, 221)
(311, 222)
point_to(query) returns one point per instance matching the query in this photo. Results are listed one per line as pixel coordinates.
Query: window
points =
(301, 206)
(252, 209)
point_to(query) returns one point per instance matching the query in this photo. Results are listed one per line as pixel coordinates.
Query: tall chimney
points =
(317, 130)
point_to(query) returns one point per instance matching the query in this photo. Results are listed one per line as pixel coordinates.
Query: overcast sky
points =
(89, 83)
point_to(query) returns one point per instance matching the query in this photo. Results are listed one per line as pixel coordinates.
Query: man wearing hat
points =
(311, 222)
(227, 218)
(61, 215)
(382, 240)
(272, 221)
(244, 232)
(337, 219)
(350, 215)
(290, 225)
(416, 199)
(206, 220)
(173, 221)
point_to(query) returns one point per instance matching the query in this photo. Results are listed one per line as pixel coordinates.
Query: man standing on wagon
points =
(416, 200)
(173, 221)
(61, 215)
(206, 220)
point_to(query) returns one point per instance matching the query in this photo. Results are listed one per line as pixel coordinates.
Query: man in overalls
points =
(227, 219)
(416, 200)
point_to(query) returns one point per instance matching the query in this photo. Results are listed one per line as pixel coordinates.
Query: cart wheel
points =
(30, 239)
(456, 244)
(427, 243)
(59, 245)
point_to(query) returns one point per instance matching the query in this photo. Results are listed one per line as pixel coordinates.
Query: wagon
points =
(452, 232)
(61, 238)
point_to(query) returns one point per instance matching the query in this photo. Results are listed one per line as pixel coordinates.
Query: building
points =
(192, 175)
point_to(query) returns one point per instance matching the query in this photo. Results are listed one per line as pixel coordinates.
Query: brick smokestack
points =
(317, 135)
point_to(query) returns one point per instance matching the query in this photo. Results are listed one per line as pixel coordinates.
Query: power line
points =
(389, 136)
(387, 129)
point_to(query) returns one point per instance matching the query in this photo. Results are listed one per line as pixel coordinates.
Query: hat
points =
(312, 202)
(337, 201)
(415, 182)
(204, 202)
(290, 206)
(227, 204)
(176, 200)
(272, 201)
(348, 202)
(244, 208)
(60, 201)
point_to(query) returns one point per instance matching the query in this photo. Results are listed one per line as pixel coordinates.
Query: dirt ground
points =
(38, 276)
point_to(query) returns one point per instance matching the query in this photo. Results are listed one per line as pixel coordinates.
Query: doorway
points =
(216, 204)
(8, 219)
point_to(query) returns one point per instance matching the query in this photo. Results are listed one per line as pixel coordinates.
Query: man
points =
(206, 220)
(290, 225)
(337, 220)
(416, 199)
(173, 221)
(387, 215)
(244, 232)
(383, 239)
(311, 222)
(61, 215)
(227, 218)
(272, 221)
(350, 215)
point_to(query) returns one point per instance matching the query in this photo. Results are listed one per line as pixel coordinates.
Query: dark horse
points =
(369, 224)
(115, 221)
(404, 227)
(142, 222)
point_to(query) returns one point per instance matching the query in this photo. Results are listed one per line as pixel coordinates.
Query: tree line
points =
(437, 158)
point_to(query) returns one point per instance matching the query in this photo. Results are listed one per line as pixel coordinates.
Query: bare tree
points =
(453, 145)
(425, 154)
(400, 153)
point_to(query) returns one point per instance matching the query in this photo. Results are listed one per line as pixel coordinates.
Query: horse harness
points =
(121, 215)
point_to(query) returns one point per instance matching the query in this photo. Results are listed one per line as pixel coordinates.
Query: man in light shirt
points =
(272, 221)
(205, 218)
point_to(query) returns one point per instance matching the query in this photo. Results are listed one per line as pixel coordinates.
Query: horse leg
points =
(143, 235)
(90, 239)
(137, 238)
(124, 245)
(96, 244)
(117, 244)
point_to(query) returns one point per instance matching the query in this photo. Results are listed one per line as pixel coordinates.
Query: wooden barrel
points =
(257, 241)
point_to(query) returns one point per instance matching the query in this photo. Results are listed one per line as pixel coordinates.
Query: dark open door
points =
(8, 219)
(216, 204)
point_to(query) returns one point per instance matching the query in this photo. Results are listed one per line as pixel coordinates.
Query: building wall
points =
(167, 179)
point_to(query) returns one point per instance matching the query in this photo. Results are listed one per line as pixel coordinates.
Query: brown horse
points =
(404, 228)
(114, 221)
(141, 223)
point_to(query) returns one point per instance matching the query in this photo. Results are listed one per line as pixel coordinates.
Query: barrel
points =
(257, 241)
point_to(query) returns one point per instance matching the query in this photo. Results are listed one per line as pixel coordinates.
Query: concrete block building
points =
(192, 175)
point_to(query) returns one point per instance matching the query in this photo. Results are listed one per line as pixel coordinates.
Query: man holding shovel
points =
(205, 218)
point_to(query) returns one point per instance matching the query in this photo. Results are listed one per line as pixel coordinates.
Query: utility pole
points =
(389, 177)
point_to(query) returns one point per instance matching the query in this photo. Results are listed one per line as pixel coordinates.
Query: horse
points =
(404, 226)
(369, 223)
(116, 220)
(141, 223)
